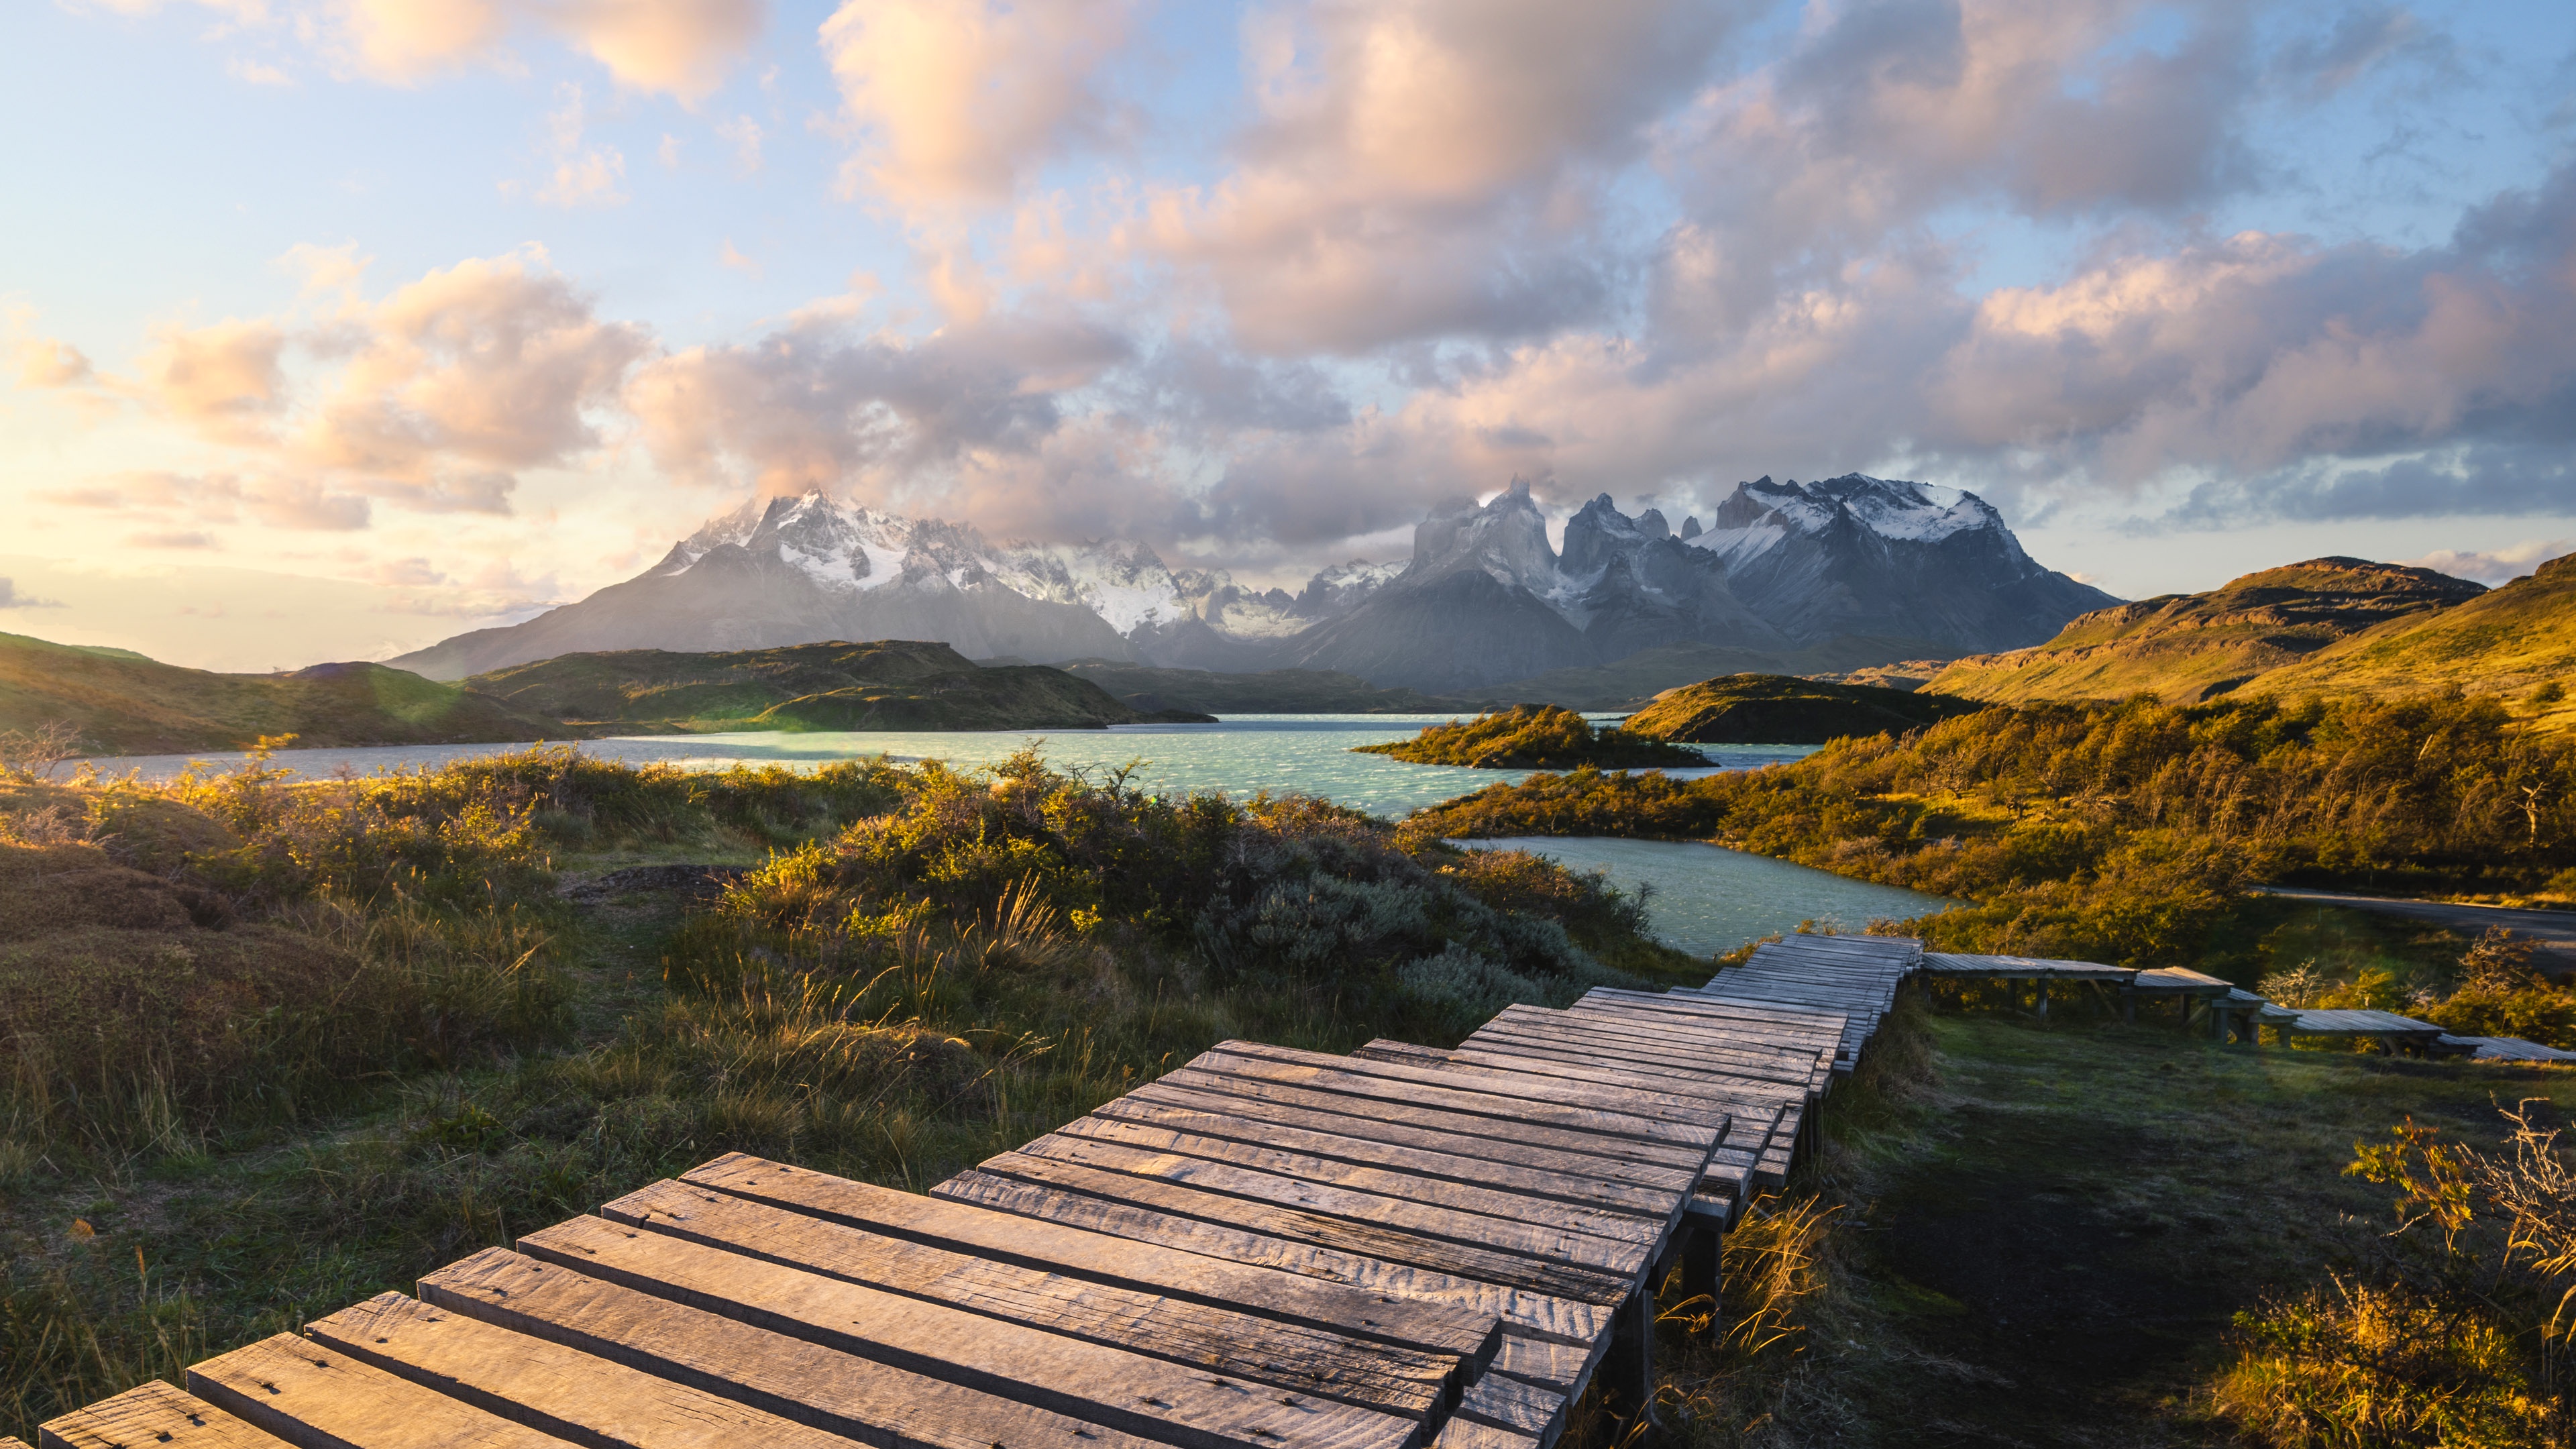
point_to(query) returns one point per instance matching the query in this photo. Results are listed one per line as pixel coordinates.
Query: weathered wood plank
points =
(1571, 1066)
(1508, 1403)
(1557, 1366)
(153, 1414)
(1229, 1055)
(1426, 1114)
(1495, 1248)
(1572, 1154)
(1429, 1155)
(1511, 1194)
(548, 1387)
(1354, 1371)
(1675, 1072)
(873, 1403)
(1678, 1043)
(1544, 1313)
(1358, 1078)
(1748, 1045)
(1194, 1277)
(1468, 1434)
(1070, 1376)
(318, 1398)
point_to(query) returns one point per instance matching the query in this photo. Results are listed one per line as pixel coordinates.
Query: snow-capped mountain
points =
(1484, 599)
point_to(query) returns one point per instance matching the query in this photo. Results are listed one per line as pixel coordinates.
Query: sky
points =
(330, 328)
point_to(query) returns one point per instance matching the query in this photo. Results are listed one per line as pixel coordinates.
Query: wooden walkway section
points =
(1401, 1248)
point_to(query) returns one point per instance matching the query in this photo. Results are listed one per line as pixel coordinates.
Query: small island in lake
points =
(1777, 709)
(1533, 737)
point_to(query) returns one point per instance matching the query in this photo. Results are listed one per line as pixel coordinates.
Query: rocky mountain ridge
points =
(1484, 599)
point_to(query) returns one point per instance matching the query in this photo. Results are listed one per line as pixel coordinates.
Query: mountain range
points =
(1868, 569)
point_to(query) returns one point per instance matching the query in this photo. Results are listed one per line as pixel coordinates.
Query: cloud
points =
(744, 133)
(10, 598)
(813, 406)
(680, 47)
(959, 102)
(176, 539)
(223, 379)
(1427, 168)
(45, 362)
(2495, 566)
(290, 503)
(732, 257)
(584, 174)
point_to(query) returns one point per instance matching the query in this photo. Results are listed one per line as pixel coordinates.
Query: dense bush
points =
(2123, 832)
(1289, 895)
(1533, 737)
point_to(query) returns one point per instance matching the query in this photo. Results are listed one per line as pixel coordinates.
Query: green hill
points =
(891, 684)
(124, 703)
(1533, 737)
(1775, 709)
(2191, 647)
(2518, 642)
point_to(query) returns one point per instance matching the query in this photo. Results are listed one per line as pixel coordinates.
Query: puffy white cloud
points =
(457, 381)
(224, 379)
(49, 362)
(2494, 566)
(960, 101)
(679, 47)
(1429, 167)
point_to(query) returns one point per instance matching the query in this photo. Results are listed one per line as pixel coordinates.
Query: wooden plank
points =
(1312, 1360)
(1708, 1098)
(1558, 1366)
(1568, 1064)
(1746, 1045)
(1397, 1111)
(1507, 1193)
(1433, 1157)
(317, 1398)
(1603, 1160)
(1714, 1008)
(1360, 1078)
(1468, 1434)
(548, 1387)
(150, 1414)
(873, 1403)
(1227, 1055)
(1472, 1338)
(1547, 1314)
(1756, 1039)
(1069, 1376)
(1508, 1403)
(1668, 1064)
(1435, 1236)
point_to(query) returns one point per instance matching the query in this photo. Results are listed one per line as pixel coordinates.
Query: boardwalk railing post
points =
(1628, 1368)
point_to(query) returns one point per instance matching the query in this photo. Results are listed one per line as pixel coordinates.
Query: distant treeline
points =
(2122, 831)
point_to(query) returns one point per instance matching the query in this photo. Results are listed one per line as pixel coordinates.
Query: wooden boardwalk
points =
(1265, 1249)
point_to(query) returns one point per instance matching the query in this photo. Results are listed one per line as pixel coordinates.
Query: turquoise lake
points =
(1705, 898)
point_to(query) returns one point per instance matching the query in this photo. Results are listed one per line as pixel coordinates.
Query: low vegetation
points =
(2126, 833)
(1780, 709)
(271, 1045)
(892, 684)
(116, 701)
(1533, 737)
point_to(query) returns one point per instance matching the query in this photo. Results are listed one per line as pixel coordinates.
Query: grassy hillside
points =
(1533, 737)
(2190, 647)
(127, 704)
(1775, 709)
(892, 684)
(2517, 643)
